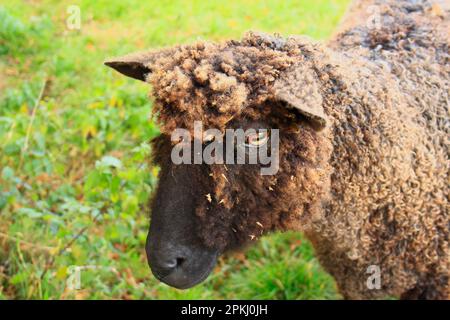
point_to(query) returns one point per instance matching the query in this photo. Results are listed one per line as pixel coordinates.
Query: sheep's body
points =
(390, 159)
(371, 189)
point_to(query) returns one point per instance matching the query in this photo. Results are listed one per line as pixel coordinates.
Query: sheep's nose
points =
(180, 266)
(165, 265)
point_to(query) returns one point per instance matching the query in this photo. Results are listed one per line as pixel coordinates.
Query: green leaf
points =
(30, 212)
(93, 180)
(7, 173)
(18, 278)
(108, 161)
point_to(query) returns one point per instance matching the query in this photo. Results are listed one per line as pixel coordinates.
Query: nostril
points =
(180, 261)
(165, 263)
(173, 263)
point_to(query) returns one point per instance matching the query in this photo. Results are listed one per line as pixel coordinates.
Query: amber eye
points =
(257, 139)
(208, 139)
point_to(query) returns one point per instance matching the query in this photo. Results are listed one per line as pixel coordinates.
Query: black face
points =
(176, 254)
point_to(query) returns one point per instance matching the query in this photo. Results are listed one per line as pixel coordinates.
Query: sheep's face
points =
(262, 85)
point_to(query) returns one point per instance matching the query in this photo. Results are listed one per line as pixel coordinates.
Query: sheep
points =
(363, 155)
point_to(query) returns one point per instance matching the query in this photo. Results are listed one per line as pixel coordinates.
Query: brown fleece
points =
(364, 154)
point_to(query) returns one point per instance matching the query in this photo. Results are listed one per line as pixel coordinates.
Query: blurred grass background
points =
(74, 182)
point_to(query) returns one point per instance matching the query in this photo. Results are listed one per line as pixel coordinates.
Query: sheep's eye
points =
(208, 139)
(257, 139)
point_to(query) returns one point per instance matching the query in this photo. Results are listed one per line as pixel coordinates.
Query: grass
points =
(73, 143)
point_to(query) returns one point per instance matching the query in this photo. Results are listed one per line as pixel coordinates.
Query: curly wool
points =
(213, 83)
(370, 189)
(391, 159)
(258, 64)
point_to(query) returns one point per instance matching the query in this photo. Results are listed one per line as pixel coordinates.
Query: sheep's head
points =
(201, 210)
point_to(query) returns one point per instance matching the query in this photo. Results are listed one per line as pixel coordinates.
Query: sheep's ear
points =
(299, 89)
(134, 65)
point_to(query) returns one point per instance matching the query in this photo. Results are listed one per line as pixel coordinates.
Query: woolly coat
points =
(367, 176)
(390, 182)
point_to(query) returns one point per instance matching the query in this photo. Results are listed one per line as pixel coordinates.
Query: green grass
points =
(73, 166)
